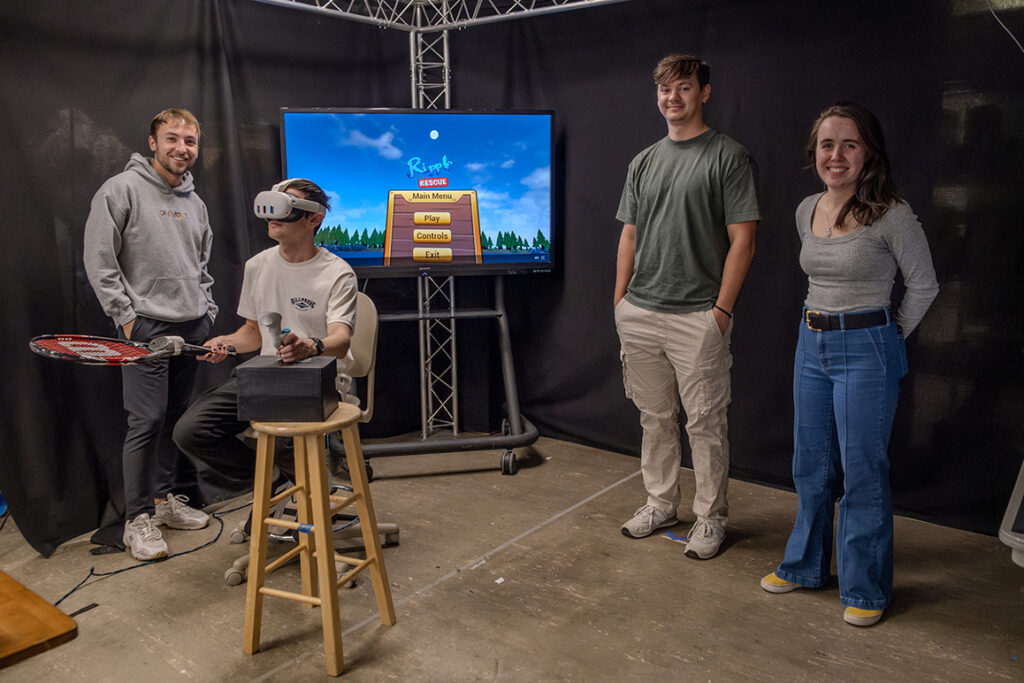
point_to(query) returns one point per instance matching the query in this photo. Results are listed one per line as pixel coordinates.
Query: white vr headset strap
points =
(277, 202)
(283, 185)
(299, 203)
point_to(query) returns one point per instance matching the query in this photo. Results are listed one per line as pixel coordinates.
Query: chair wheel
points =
(238, 534)
(508, 463)
(234, 577)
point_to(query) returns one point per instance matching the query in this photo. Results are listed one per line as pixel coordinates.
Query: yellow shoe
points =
(774, 584)
(862, 617)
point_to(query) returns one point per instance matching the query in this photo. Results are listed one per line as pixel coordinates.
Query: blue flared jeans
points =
(845, 387)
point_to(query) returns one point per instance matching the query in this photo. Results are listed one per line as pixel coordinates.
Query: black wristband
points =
(727, 313)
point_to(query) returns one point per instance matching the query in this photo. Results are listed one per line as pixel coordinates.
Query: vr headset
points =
(278, 205)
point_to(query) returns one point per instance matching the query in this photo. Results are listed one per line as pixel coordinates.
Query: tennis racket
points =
(89, 350)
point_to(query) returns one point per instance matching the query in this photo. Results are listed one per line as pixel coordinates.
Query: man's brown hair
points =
(169, 115)
(674, 67)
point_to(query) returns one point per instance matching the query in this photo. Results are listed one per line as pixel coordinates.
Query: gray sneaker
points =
(175, 514)
(143, 539)
(646, 520)
(705, 540)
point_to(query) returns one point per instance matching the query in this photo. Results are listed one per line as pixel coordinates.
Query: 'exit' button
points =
(432, 254)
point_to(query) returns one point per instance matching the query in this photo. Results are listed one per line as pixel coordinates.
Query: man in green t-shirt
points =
(689, 210)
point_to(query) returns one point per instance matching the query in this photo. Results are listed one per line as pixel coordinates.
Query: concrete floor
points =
(527, 578)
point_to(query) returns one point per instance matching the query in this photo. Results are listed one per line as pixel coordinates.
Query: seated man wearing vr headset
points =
(315, 293)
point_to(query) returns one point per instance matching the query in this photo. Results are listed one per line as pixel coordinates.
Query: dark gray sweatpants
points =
(208, 432)
(155, 395)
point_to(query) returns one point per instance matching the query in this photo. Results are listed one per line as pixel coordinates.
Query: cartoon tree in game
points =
(541, 242)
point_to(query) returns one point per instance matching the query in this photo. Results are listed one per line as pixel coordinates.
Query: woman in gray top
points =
(849, 360)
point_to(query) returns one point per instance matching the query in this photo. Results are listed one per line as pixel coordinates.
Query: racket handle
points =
(206, 349)
(175, 346)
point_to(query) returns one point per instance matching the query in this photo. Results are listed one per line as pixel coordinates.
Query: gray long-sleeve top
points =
(147, 247)
(856, 272)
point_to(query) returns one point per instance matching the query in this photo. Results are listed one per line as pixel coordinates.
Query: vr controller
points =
(277, 205)
(271, 324)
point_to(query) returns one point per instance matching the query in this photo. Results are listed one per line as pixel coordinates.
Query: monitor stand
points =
(517, 431)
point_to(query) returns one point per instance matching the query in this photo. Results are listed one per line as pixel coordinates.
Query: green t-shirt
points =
(680, 196)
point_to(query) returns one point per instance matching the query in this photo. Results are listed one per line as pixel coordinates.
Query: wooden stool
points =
(315, 508)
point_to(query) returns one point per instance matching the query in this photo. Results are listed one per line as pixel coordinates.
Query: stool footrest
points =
(283, 523)
(354, 561)
(339, 503)
(283, 559)
(287, 493)
(358, 566)
(289, 595)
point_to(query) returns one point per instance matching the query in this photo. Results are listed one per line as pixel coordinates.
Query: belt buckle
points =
(807, 319)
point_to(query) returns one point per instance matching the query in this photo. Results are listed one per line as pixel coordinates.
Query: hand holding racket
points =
(89, 350)
(216, 350)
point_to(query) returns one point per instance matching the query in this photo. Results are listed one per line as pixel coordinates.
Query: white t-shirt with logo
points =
(308, 295)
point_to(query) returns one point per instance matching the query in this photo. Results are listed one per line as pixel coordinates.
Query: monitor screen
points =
(428, 191)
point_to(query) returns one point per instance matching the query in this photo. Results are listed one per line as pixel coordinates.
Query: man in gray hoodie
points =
(147, 248)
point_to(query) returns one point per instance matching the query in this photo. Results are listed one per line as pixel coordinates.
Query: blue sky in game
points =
(357, 157)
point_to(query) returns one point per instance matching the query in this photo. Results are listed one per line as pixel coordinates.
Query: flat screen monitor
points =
(438, 192)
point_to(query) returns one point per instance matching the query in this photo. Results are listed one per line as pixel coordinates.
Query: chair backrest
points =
(363, 346)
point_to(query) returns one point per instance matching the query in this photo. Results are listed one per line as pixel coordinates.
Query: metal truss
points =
(439, 403)
(431, 77)
(430, 81)
(438, 15)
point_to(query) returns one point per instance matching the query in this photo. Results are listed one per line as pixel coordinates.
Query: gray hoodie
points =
(147, 247)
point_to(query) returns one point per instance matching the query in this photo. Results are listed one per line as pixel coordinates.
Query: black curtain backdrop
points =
(81, 83)
(82, 80)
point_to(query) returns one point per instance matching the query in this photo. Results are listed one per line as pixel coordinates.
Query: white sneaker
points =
(705, 540)
(646, 520)
(143, 539)
(175, 514)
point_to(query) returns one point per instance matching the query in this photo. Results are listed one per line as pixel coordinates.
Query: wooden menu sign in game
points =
(432, 226)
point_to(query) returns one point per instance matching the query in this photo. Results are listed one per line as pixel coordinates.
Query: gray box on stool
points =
(273, 391)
